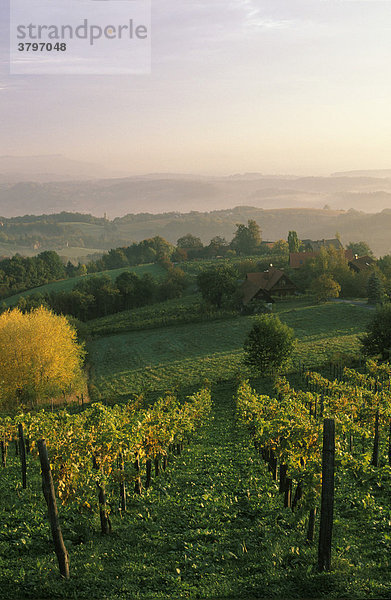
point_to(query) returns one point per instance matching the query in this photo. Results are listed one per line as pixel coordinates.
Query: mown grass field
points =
(185, 355)
(65, 285)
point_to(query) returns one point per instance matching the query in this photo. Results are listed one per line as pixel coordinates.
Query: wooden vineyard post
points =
(327, 502)
(122, 489)
(50, 497)
(375, 453)
(148, 466)
(3, 454)
(137, 483)
(283, 472)
(22, 453)
(105, 524)
(298, 495)
(389, 444)
(288, 493)
(311, 525)
(273, 466)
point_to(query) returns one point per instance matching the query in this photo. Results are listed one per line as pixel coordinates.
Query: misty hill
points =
(158, 193)
(364, 173)
(78, 235)
(48, 167)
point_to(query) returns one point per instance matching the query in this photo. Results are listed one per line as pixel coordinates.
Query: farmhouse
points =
(362, 263)
(263, 286)
(316, 245)
(298, 259)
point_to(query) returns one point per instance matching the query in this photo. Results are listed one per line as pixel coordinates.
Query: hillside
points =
(170, 192)
(77, 237)
(186, 354)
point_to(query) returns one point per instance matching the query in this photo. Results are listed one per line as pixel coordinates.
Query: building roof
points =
(265, 281)
(316, 245)
(298, 259)
(362, 263)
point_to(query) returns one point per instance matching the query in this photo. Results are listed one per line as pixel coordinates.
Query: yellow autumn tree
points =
(39, 356)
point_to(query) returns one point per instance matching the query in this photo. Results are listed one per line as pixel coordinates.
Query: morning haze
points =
(242, 86)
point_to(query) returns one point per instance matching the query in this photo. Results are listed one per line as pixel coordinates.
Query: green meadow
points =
(186, 354)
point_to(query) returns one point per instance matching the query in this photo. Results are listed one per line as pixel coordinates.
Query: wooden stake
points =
(22, 453)
(375, 453)
(298, 495)
(50, 497)
(105, 524)
(137, 484)
(122, 489)
(311, 525)
(3, 454)
(288, 493)
(389, 444)
(327, 503)
(283, 471)
(149, 473)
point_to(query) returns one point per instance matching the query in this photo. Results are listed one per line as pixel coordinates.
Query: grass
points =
(212, 526)
(183, 355)
(188, 309)
(66, 285)
(70, 252)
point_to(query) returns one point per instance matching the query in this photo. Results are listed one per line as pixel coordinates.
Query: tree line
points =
(99, 295)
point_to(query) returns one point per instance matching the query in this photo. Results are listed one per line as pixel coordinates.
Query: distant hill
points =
(69, 233)
(364, 173)
(48, 167)
(157, 193)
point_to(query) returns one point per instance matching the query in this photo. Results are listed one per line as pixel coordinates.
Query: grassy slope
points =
(191, 268)
(65, 285)
(188, 309)
(212, 526)
(184, 355)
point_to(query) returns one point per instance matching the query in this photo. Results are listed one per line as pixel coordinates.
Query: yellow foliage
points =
(39, 355)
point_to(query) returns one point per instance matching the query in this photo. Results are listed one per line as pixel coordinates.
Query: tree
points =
(384, 264)
(173, 285)
(269, 345)
(293, 242)
(377, 339)
(247, 238)
(40, 357)
(360, 248)
(128, 285)
(281, 250)
(375, 289)
(217, 284)
(218, 245)
(189, 241)
(324, 287)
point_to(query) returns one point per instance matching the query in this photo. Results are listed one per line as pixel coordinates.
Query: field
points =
(212, 526)
(184, 355)
(65, 285)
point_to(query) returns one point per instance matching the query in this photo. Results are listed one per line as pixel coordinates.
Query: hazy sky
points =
(277, 86)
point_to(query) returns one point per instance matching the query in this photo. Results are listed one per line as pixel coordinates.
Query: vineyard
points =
(188, 499)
